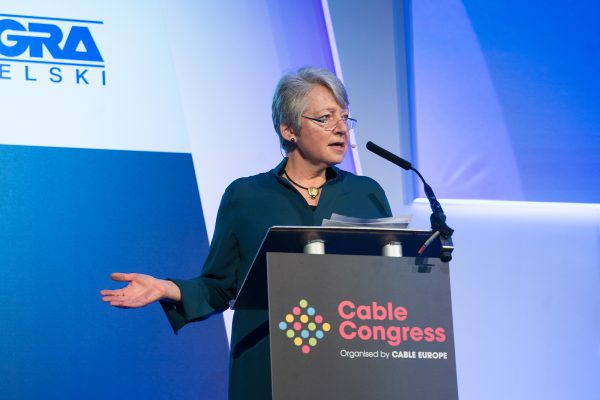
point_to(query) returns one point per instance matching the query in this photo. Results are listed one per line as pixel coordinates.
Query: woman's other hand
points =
(140, 291)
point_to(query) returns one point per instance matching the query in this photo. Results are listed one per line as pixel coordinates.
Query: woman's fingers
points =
(111, 292)
(122, 277)
(110, 296)
(119, 277)
(125, 302)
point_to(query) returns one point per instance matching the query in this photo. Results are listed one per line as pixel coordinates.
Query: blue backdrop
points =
(70, 217)
(506, 102)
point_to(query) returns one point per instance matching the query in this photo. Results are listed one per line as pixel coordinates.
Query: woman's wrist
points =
(171, 291)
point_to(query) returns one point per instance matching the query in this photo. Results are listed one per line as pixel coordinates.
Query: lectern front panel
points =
(360, 327)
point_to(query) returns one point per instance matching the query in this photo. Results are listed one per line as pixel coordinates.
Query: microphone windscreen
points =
(391, 157)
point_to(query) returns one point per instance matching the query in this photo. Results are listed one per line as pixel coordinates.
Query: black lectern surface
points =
(363, 241)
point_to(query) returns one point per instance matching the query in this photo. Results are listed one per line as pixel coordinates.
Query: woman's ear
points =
(287, 133)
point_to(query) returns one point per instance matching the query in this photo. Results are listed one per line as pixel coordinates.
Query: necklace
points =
(313, 191)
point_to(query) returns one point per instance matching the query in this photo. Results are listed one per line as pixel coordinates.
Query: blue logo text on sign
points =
(35, 40)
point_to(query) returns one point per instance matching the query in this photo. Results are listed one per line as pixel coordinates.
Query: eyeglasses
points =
(328, 123)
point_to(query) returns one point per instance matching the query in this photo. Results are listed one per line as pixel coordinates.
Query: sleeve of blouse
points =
(378, 197)
(384, 201)
(210, 292)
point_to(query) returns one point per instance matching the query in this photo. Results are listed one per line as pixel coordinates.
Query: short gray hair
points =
(289, 100)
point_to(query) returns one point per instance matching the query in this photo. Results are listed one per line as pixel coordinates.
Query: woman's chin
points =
(337, 156)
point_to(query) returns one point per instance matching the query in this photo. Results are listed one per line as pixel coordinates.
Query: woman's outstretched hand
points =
(140, 291)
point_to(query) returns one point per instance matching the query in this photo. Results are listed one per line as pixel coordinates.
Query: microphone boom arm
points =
(437, 218)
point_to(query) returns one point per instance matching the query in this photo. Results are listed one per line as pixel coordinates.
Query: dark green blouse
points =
(249, 207)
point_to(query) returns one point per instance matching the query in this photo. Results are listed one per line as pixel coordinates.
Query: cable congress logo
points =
(56, 50)
(304, 326)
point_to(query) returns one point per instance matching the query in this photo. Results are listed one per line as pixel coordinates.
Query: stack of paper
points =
(400, 222)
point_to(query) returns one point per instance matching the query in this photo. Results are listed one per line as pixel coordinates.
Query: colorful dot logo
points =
(304, 326)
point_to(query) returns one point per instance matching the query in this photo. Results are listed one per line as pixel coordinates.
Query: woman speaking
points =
(311, 118)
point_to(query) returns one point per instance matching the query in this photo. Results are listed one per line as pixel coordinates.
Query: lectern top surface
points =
(358, 241)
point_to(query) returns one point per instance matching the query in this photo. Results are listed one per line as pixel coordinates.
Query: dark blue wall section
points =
(70, 217)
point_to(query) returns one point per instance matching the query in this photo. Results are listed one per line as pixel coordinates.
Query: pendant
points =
(313, 192)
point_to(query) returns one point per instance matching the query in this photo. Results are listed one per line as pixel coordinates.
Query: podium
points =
(351, 323)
